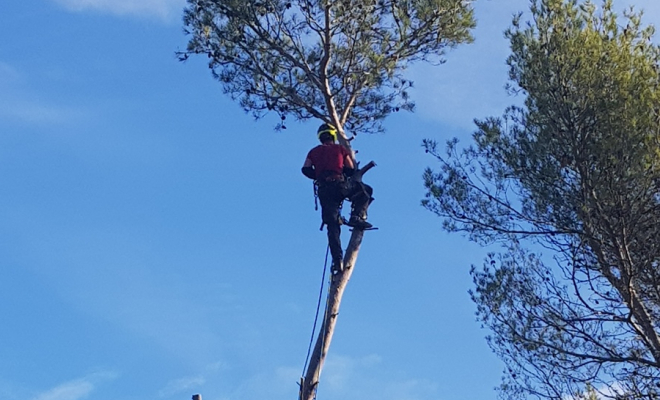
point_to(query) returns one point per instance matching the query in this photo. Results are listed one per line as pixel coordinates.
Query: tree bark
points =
(335, 293)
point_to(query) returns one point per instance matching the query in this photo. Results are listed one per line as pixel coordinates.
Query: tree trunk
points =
(335, 292)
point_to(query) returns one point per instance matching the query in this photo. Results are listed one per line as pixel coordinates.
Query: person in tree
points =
(331, 166)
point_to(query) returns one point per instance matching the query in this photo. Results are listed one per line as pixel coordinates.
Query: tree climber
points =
(331, 166)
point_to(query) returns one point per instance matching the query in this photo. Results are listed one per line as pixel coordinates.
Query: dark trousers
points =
(331, 195)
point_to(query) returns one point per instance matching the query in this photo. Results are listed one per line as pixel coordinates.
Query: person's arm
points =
(349, 167)
(308, 169)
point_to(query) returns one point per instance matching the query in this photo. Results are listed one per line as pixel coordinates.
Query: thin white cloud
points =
(73, 390)
(151, 307)
(18, 104)
(341, 369)
(193, 384)
(371, 378)
(77, 389)
(163, 9)
(8, 74)
(11, 390)
(37, 113)
(181, 385)
(365, 378)
(471, 83)
(277, 383)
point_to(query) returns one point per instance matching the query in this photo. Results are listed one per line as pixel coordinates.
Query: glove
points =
(309, 172)
(348, 171)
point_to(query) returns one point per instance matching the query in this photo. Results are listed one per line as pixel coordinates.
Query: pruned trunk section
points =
(312, 376)
(357, 176)
(335, 294)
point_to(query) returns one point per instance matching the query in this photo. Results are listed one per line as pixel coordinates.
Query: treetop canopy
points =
(337, 61)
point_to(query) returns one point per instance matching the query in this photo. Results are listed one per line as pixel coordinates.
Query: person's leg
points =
(360, 197)
(334, 241)
(330, 203)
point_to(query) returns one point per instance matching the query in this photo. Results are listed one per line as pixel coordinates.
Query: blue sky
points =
(157, 242)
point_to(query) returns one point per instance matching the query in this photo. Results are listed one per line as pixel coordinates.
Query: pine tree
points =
(336, 61)
(574, 171)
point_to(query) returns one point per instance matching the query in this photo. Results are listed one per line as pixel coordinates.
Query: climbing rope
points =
(318, 304)
(318, 307)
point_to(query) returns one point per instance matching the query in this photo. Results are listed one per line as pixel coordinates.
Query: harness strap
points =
(316, 195)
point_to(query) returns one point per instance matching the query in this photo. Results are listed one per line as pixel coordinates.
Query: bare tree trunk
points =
(335, 293)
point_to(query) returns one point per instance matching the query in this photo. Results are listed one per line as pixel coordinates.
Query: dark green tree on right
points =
(569, 184)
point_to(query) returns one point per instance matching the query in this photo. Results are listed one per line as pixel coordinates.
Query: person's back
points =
(328, 160)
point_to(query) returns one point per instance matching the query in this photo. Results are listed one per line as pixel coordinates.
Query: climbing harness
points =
(342, 220)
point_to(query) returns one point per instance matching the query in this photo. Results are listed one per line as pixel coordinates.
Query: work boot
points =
(337, 266)
(358, 222)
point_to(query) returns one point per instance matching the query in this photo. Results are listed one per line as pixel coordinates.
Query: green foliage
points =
(338, 61)
(577, 171)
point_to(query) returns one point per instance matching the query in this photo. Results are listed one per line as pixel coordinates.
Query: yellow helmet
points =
(327, 129)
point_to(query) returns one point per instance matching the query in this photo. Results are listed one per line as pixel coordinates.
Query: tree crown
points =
(337, 61)
(576, 169)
